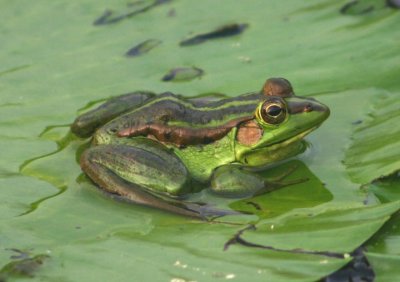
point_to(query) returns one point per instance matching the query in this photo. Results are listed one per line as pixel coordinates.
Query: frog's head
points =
(281, 121)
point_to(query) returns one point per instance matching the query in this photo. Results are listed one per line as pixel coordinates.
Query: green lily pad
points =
(55, 61)
(384, 247)
(314, 230)
(375, 151)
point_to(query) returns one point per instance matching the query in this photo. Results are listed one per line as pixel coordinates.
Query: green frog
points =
(155, 149)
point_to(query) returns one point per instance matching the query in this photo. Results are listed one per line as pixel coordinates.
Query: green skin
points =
(153, 149)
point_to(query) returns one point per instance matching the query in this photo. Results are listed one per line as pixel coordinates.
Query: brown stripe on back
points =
(180, 135)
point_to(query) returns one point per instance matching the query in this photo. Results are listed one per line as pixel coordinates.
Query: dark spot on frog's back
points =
(224, 31)
(143, 47)
(183, 74)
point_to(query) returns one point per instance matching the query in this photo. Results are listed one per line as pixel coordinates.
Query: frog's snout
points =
(317, 107)
(323, 109)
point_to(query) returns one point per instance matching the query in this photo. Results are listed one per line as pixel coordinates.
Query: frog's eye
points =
(273, 111)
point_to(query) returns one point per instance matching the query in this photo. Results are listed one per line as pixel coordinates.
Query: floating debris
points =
(22, 268)
(224, 31)
(143, 47)
(183, 74)
(111, 17)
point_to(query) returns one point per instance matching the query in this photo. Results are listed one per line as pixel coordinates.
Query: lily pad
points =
(375, 151)
(55, 61)
(315, 230)
(384, 247)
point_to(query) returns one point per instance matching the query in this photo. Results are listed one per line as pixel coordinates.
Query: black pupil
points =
(274, 111)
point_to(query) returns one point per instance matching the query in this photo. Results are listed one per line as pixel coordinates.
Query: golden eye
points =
(273, 111)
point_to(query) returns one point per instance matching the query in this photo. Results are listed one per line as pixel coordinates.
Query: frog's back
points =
(172, 119)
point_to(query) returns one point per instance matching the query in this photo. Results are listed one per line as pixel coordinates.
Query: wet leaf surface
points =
(375, 151)
(55, 61)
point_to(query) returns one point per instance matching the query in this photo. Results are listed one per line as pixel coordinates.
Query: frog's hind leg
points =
(139, 175)
(87, 123)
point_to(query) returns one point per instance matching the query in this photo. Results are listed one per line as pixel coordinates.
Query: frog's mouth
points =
(292, 140)
(285, 142)
(274, 151)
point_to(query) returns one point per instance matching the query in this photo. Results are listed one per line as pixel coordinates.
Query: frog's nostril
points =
(308, 108)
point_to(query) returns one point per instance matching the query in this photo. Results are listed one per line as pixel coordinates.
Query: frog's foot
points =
(235, 181)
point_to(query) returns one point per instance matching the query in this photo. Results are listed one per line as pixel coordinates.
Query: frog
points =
(156, 149)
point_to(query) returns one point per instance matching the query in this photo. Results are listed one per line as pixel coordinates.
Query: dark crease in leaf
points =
(143, 47)
(237, 239)
(111, 17)
(224, 31)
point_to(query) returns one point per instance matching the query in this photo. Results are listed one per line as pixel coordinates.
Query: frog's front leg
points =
(237, 181)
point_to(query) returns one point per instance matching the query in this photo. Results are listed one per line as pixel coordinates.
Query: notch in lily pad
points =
(143, 47)
(183, 74)
(221, 32)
